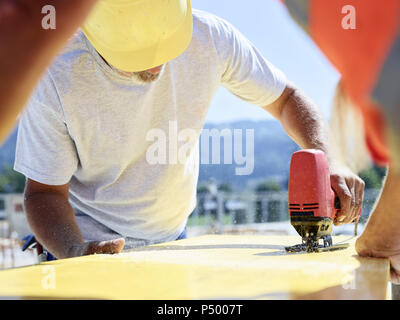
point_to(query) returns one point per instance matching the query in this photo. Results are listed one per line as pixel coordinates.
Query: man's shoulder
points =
(69, 64)
(75, 47)
(203, 19)
(201, 16)
(76, 42)
(211, 29)
(74, 51)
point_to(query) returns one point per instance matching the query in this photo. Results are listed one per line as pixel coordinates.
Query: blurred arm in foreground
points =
(381, 236)
(343, 30)
(27, 49)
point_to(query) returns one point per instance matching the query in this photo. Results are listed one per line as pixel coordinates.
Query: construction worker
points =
(362, 39)
(27, 48)
(139, 66)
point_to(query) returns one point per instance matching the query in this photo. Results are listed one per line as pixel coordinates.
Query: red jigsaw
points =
(313, 205)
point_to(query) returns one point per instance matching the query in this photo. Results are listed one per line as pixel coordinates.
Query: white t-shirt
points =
(87, 125)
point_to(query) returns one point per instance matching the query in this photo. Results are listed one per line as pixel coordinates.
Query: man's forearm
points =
(53, 222)
(304, 123)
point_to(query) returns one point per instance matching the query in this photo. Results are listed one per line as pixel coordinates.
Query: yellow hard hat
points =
(137, 35)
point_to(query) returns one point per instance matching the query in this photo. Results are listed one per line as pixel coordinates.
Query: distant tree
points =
(268, 185)
(11, 181)
(225, 187)
(202, 188)
(373, 177)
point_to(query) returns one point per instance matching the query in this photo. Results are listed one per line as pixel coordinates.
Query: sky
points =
(268, 25)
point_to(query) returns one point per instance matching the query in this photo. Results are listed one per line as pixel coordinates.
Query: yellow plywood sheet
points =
(206, 267)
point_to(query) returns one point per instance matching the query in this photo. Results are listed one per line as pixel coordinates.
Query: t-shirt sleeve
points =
(45, 152)
(245, 72)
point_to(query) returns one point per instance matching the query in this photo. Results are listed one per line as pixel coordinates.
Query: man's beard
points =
(143, 77)
(147, 77)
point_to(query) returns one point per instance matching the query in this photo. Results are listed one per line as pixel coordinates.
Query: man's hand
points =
(350, 190)
(381, 235)
(395, 268)
(367, 248)
(98, 247)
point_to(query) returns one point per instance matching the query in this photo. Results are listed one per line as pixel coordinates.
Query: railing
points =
(12, 210)
(13, 225)
(215, 210)
(224, 209)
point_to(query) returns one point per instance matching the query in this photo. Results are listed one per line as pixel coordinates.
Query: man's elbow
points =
(276, 109)
(38, 195)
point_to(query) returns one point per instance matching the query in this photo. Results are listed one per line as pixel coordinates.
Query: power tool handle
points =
(337, 203)
(337, 208)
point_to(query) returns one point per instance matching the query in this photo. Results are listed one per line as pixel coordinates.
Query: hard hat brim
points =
(154, 54)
